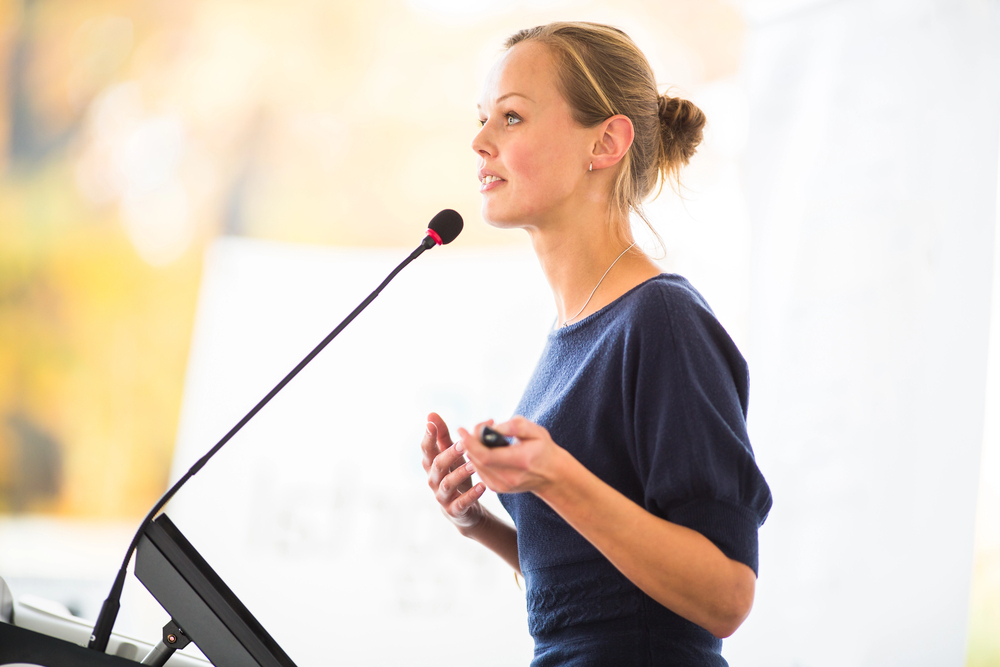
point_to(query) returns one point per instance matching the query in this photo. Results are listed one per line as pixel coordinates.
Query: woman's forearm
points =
(496, 535)
(676, 566)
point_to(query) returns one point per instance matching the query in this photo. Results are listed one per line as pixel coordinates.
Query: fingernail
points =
(459, 447)
(428, 427)
(470, 467)
(480, 487)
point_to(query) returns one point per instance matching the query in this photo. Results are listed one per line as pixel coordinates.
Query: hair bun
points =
(681, 125)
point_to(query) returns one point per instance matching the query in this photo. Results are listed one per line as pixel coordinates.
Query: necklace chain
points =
(598, 285)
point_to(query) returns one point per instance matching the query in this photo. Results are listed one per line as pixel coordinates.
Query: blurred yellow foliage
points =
(93, 343)
(134, 133)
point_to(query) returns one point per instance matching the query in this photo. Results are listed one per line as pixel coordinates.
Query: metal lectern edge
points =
(200, 602)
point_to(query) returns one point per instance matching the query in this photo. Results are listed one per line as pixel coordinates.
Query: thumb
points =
(521, 428)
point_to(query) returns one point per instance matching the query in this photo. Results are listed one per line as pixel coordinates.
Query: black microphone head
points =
(447, 225)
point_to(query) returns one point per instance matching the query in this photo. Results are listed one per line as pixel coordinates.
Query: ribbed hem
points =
(578, 593)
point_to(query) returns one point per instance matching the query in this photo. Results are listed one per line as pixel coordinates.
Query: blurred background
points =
(160, 160)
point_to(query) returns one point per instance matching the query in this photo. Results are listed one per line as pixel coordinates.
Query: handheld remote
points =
(491, 438)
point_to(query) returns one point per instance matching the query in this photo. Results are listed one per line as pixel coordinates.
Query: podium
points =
(200, 605)
(202, 608)
(19, 645)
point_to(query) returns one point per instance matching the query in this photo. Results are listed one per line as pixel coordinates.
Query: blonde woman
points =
(631, 482)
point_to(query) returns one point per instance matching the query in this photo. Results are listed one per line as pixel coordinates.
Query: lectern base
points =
(18, 645)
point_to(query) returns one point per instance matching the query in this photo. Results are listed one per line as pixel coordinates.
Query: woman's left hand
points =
(532, 463)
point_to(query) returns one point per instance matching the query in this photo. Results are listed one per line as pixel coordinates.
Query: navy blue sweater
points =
(650, 394)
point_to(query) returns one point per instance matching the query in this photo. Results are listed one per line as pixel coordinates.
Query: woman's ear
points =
(614, 138)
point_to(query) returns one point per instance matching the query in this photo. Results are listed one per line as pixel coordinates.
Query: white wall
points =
(851, 257)
(871, 176)
(317, 514)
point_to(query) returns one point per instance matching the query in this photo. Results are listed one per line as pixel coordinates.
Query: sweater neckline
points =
(598, 314)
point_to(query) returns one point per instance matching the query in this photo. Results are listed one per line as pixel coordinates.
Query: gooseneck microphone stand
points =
(443, 228)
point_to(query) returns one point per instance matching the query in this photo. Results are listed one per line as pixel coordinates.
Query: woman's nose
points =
(481, 143)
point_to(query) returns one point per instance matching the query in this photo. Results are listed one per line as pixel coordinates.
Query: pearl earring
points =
(591, 167)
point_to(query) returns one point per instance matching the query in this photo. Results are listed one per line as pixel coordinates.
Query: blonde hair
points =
(602, 73)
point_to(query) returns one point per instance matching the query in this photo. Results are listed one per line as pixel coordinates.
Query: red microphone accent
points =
(434, 235)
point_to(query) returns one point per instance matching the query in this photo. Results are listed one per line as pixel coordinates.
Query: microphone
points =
(442, 229)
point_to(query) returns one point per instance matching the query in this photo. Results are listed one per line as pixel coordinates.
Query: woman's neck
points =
(574, 259)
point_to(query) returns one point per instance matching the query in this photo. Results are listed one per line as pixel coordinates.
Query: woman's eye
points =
(512, 119)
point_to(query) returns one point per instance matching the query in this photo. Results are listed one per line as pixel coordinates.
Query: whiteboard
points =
(317, 514)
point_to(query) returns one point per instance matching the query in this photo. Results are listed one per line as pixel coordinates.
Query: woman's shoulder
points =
(656, 307)
(668, 308)
(664, 299)
(670, 286)
(671, 322)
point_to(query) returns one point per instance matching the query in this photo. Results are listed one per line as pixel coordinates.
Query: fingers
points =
(462, 503)
(444, 463)
(475, 449)
(474, 439)
(443, 436)
(436, 439)
(449, 475)
(479, 429)
(428, 446)
(450, 464)
(456, 480)
(521, 428)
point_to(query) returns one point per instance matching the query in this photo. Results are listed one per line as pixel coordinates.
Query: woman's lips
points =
(490, 182)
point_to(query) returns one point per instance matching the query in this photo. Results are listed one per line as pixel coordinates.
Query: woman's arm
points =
(676, 566)
(448, 475)
(498, 536)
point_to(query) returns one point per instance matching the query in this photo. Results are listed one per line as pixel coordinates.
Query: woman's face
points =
(533, 156)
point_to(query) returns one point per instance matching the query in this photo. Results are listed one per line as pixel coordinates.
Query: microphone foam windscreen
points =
(447, 224)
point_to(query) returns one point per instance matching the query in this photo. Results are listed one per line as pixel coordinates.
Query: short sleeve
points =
(686, 390)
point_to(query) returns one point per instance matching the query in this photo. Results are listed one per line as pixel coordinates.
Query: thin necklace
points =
(566, 323)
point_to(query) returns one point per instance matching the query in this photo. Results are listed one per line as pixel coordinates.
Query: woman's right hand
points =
(449, 476)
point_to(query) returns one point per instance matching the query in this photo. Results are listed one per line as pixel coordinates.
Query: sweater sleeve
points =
(686, 392)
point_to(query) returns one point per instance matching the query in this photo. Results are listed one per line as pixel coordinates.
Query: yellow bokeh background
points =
(132, 134)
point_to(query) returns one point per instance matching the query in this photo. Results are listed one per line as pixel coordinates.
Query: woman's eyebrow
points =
(503, 97)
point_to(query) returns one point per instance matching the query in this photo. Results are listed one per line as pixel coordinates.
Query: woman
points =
(634, 492)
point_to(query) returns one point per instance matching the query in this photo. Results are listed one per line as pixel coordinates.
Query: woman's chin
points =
(502, 217)
(497, 219)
